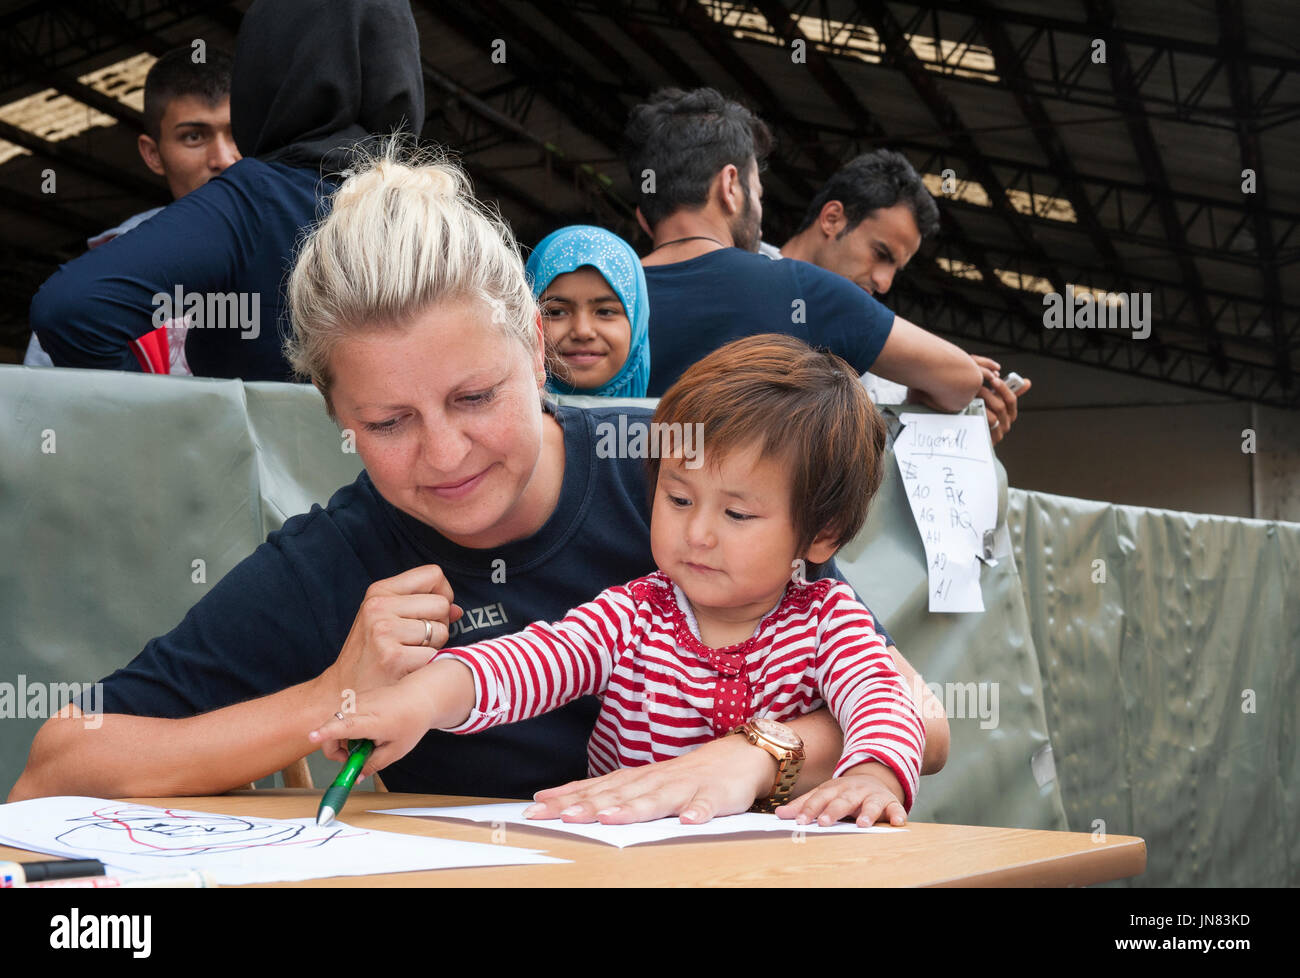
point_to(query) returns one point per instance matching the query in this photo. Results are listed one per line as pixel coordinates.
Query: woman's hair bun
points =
(442, 182)
(397, 165)
(404, 232)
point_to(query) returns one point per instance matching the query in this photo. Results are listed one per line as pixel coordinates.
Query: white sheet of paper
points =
(233, 849)
(512, 813)
(946, 462)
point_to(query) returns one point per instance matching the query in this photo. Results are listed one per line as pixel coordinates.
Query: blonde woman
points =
(413, 317)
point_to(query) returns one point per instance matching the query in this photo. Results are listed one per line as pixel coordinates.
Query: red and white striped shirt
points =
(665, 692)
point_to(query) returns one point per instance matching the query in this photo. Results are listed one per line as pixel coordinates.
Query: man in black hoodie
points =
(311, 78)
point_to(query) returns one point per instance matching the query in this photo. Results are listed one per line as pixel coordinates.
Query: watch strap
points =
(787, 772)
(788, 764)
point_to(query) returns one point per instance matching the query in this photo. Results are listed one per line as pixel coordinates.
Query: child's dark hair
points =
(806, 407)
(176, 74)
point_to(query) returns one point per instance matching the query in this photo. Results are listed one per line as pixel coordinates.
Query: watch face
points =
(778, 733)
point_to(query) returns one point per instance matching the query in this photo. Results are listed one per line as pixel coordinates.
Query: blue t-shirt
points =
(232, 237)
(704, 303)
(281, 616)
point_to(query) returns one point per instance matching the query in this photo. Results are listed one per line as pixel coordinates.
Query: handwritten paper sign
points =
(946, 462)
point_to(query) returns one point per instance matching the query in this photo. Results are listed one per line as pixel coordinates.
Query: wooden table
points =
(924, 855)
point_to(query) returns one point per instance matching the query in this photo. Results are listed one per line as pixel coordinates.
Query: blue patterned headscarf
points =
(567, 250)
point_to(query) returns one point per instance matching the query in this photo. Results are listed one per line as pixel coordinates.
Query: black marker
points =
(17, 874)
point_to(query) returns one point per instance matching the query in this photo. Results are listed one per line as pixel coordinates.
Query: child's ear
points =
(822, 548)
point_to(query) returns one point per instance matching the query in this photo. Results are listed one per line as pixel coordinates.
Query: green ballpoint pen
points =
(336, 795)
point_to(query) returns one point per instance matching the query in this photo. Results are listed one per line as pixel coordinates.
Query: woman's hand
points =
(387, 640)
(722, 777)
(866, 791)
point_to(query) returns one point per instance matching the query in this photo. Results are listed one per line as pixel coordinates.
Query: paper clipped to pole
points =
(946, 462)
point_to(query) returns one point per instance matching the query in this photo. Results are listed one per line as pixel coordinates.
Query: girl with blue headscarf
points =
(595, 313)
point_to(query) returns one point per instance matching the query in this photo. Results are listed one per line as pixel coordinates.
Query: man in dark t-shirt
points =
(310, 80)
(728, 293)
(696, 156)
(187, 141)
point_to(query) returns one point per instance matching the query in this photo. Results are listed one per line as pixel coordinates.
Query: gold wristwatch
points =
(783, 744)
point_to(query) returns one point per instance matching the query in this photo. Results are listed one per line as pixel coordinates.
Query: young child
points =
(592, 292)
(729, 628)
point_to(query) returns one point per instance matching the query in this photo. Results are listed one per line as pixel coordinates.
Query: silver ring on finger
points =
(428, 633)
(339, 716)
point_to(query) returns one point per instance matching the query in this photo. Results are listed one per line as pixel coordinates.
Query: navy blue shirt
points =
(704, 303)
(234, 236)
(281, 616)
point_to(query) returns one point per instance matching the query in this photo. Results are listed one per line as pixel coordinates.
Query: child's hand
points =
(867, 790)
(394, 717)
